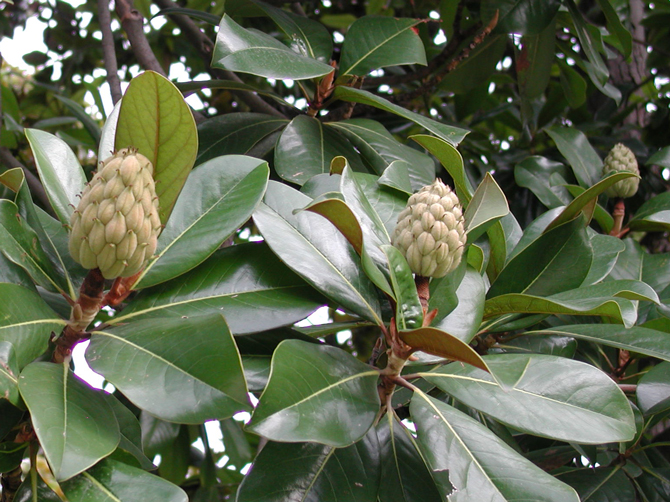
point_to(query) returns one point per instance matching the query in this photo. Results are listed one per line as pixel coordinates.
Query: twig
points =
(205, 47)
(437, 78)
(447, 53)
(618, 214)
(628, 387)
(109, 54)
(132, 22)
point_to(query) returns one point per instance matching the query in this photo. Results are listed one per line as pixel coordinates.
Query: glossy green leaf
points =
(307, 37)
(573, 84)
(409, 313)
(60, 172)
(218, 198)
(653, 389)
(597, 69)
(635, 263)
(113, 481)
(481, 466)
(236, 445)
(312, 247)
(335, 401)
(616, 28)
(312, 472)
(649, 342)
(653, 215)
(380, 149)
(181, 370)
(610, 299)
(533, 173)
(534, 61)
(439, 343)
(27, 329)
(557, 261)
(130, 431)
(406, 476)
(247, 51)
(606, 484)
(306, 148)
(453, 135)
(475, 71)
(155, 119)
(234, 133)
(661, 158)
(451, 160)
(503, 238)
(73, 422)
(575, 147)
(396, 175)
(49, 231)
(487, 206)
(374, 231)
(464, 320)
(587, 200)
(246, 283)
(520, 16)
(606, 250)
(374, 42)
(386, 202)
(229, 85)
(340, 214)
(544, 395)
(78, 111)
(11, 455)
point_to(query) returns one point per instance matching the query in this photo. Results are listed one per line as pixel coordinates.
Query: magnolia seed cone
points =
(431, 231)
(116, 225)
(621, 159)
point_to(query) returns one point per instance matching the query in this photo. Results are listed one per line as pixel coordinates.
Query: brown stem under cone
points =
(84, 311)
(618, 214)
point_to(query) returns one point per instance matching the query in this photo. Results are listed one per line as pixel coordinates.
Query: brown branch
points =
(84, 311)
(36, 188)
(10, 484)
(205, 47)
(109, 54)
(437, 78)
(133, 24)
(445, 55)
(628, 387)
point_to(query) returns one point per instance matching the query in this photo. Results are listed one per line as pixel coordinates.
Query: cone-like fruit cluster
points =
(430, 232)
(621, 158)
(116, 225)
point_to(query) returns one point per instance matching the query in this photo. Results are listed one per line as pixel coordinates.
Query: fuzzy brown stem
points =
(121, 288)
(618, 214)
(397, 354)
(84, 311)
(423, 288)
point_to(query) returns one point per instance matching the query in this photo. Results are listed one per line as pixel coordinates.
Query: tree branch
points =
(132, 22)
(205, 47)
(109, 54)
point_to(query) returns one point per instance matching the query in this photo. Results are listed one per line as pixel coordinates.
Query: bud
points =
(620, 159)
(430, 231)
(111, 228)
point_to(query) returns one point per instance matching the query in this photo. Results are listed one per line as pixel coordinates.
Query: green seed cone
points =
(430, 231)
(116, 225)
(619, 159)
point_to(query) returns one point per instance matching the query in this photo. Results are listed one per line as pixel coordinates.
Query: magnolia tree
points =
(432, 178)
